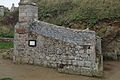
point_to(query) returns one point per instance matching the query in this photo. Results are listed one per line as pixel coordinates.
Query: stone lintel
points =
(21, 30)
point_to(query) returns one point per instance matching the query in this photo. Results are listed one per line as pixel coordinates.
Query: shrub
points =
(7, 35)
(11, 18)
(6, 79)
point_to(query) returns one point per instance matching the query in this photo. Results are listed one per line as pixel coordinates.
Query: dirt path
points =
(29, 72)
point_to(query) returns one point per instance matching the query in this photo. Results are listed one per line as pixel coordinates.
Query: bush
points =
(6, 79)
(10, 18)
(7, 35)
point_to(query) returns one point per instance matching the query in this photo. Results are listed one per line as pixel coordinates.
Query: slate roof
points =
(64, 34)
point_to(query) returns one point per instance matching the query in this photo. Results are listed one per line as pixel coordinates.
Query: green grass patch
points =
(6, 79)
(7, 35)
(63, 12)
(6, 45)
(6, 31)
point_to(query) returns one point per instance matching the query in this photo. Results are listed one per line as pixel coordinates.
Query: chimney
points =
(28, 11)
(12, 8)
(13, 5)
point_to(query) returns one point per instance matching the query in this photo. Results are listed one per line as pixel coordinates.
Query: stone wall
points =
(6, 39)
(6, 53)
(13, 8)
(69, 51)
(2, 10)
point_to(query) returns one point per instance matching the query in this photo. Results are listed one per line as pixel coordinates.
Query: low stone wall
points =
(69, 51)
(6, 39)
(6, 53)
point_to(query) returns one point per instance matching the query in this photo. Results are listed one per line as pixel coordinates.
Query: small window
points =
(89, 47)
(86, 47)
(32, 43)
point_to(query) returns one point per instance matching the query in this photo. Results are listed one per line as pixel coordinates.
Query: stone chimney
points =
(12, 8)
(13, 5)
(28, 11)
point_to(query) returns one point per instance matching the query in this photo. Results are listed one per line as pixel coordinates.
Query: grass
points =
(6, 45)
(7, 35)
(6, 79)
(63, 12)
(6, 31)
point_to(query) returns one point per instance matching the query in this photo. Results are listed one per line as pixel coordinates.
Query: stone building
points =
(67, 50)
(2, 10)
(13, 8)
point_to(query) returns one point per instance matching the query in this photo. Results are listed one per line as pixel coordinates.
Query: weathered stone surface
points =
(27, 12)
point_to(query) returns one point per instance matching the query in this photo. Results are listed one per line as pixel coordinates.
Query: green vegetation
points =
(90, 12)
(6, 31)
(10, 18)
(7, 24)
(7, 35)
(6, 79)
(6, 45)
(87, 13)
